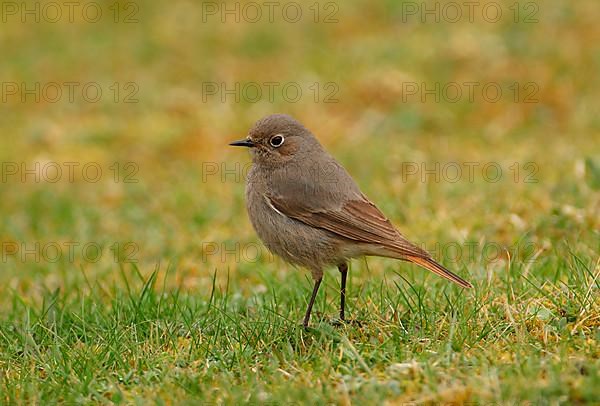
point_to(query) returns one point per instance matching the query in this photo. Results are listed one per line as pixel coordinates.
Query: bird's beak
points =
(243, 143)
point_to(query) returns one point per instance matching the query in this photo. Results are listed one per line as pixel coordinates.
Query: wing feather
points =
(358, 220)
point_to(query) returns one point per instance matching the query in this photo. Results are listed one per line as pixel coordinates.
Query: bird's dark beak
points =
(243, 143)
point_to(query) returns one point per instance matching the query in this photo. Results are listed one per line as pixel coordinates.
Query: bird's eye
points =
(276, 140)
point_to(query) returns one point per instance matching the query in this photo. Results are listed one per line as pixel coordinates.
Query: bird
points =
(307, 209)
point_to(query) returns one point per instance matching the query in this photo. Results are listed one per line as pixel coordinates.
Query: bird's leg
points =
(343, 268)
(312, 301)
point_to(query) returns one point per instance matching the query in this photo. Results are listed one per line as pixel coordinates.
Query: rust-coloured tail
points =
(436, 268)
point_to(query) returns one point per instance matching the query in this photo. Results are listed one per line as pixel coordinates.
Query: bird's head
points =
(277, 139)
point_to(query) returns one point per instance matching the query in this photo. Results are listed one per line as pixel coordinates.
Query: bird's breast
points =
(292, 240)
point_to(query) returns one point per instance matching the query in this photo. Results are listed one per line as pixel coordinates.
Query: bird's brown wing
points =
(361, 221)
(358, 220)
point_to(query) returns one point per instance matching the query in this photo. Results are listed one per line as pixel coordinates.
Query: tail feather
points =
(436, 268)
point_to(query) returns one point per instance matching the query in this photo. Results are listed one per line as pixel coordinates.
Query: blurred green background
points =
(160, 124)
(157, 64)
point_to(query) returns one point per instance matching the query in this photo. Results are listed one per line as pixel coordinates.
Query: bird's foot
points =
(312, 321)
(341, 322)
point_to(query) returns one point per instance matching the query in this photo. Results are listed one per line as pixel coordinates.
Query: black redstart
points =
(307, 209)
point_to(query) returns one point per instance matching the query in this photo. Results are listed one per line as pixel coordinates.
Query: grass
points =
(150, 286)
(147, 341)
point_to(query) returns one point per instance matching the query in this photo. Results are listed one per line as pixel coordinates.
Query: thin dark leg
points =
(312, 302)
(344, 271)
